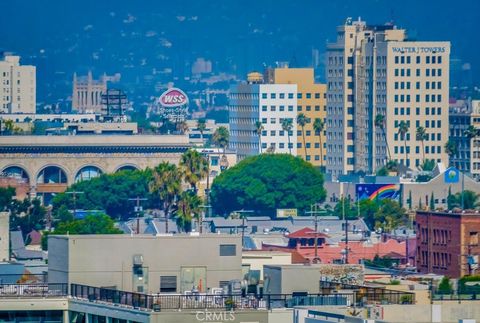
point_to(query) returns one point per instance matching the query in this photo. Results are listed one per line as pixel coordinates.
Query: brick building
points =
(448, 243)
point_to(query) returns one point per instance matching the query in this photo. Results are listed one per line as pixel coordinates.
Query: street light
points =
(74, 193)
(137, 210)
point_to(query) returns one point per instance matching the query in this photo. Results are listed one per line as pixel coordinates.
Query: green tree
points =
(287, 126)
(380, 123)
(450, 199)
(445, 286)
(432, 202)
(402, 131)
(189, 207)
(266, 182)
(110, 193)
(194, 167)
(472, 132)
(390, 215)
(319, 126)
(421, 135)
(166, 184)
(91, 224)
(201, 126)
(428, 165)
(258, 130)
(27, 215)
(451, 149)
(221, 138)
(382, 171)
(182, 127)
(471, 200)
(6, 196)
(302, 121)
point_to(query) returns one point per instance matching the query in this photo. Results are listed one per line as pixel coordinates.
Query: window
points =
(168, 284)
(428, 59)
(439, 60)
(264, 120)
(299, 95)
(309, 95)
(273, 108)
(272, 133)
(228, 250)
(317, 95)
(282, 108)
(299, 108)
(417, 72)
(290, 95)
(418, 59)
(290, 108)
(264, 108)
(273, 96)
(282, 95)
(264, 95)
(214, 161)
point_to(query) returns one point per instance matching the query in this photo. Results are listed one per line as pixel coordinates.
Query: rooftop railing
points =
(33, 290)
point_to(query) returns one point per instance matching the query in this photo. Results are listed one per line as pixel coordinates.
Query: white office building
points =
(375, 70)
(17, 86)
(269, 104)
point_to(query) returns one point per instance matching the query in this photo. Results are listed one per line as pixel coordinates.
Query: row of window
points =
(428, 72)
(308, 95)
(428, 110)
(428, 149)
(281, 145)
(428, 85)
(273, 108)
(428, 98)
(418, 59)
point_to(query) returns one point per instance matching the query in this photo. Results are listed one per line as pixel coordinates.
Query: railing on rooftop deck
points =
(160, 302)
(370, 294)
(33, 290)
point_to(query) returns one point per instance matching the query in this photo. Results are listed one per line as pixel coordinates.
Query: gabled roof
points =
(306, 233)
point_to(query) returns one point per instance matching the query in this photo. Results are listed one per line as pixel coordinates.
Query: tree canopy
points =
(108, 192)
(266, 182)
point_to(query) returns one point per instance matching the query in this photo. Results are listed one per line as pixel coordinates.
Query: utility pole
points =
(74, 193)
(243, 222)
(137, 210)
(314, 209)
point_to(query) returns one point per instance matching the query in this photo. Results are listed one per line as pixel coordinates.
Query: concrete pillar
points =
(4, 236)
(66, 317)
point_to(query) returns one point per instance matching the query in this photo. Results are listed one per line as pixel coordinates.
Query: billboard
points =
(285, 213)
(377, 191)
(451, 175)
(173, 105)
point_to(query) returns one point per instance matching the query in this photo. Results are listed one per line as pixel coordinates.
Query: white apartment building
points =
(375, 70)
(475, 142)
(269, 104)
(17, 86)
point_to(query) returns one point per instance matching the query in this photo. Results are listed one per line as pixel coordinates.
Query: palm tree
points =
(421, 135)
(8, 128)
(201, 126)
(166, 183)
(258, 130)
(318, 126)
(471, 132)
(380, 123)
(221, 137)
(189, 207)
(402, 131)
(194, 167)
(451, 149)
(302, 121)
(471, 200)
(428, 165)
(182, 127)
(287, 125)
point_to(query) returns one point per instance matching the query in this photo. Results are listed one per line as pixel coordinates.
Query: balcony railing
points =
(168, 302)
(33, 290)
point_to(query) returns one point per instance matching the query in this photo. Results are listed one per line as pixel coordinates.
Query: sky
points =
(137, 37)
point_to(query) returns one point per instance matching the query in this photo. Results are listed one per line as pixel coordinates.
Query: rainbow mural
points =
(378, 191)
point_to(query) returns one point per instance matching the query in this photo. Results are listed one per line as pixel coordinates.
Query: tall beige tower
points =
(17, 86)
(87, 93)
(375, 71)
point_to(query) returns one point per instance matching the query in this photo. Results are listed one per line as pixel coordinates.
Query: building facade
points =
(475, 141)
(146, 263)
(17, 86)
(311, 101)
(87, 93)
(375, 71)
(448, 243)
(269, 104)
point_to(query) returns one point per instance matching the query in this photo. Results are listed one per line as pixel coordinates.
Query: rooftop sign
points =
(173, 97)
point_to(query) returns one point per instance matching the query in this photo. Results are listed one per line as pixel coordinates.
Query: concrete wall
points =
(107, 260)
(257, 259)
(4, 236)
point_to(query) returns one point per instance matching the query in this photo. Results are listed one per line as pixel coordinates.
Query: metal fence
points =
(160, 302)
(33, 290)
(369, 294)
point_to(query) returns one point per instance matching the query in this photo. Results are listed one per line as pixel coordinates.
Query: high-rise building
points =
(87, 93)
(374, 72)
(465, 115)
(311, 101)
(17, 86)
(269, 104)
